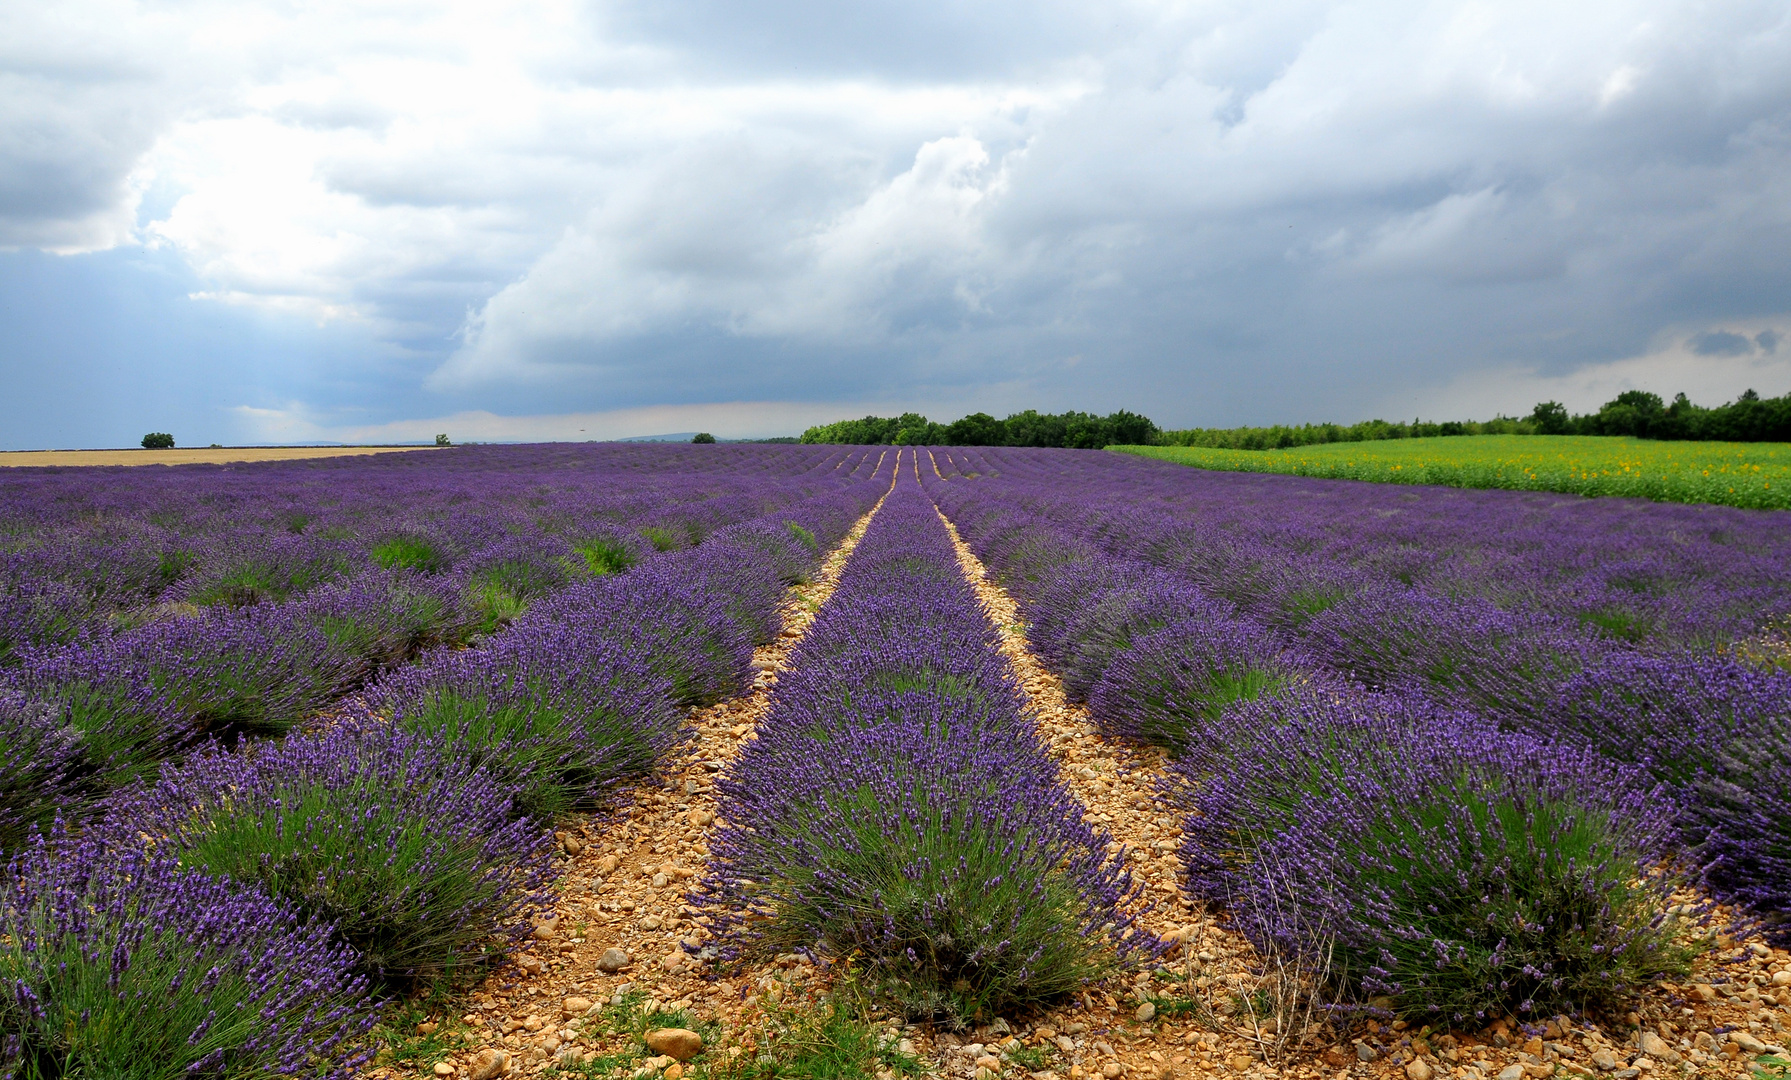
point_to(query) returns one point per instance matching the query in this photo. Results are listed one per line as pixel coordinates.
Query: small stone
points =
(660, 880)
(533, 1023)
(608, 864)
(1533, 1047)
(546, 928)
(442, 1068)
(677, 1043)
(427, 1027)
(1605, 1060)
(1747, 1042)
(1335, 1057)
(488, 1064)
(989, 1062)
(612, 960)
(700, 817)
(1065, 1043)
(1706, 993)
(1113, 1070)
(1146, 1013)
(674, 1071)
(1782, 978)
(673, 961)
(651, 922)
(531, 965)
(1760, 950)
(1364, 1052)
(1656, 1047)
(1512, 1072)
(1239, 1062)
(575, 1006)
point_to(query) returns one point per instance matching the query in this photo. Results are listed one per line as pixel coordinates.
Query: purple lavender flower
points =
(125, 963)
(413, 854)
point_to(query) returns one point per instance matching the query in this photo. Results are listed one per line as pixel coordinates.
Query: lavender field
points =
(285, 745)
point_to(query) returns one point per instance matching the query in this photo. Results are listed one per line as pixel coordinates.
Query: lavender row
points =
(396, 847)
(91, 551)
(131, 700)
(1440, 867)
(898, 806)
(1713, 726)
(1283, 547)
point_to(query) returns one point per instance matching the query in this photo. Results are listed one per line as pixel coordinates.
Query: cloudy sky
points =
(243, 221)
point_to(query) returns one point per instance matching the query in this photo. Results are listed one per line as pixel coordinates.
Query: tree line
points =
(1749, 418)
(1638, 413)
(1070, 430)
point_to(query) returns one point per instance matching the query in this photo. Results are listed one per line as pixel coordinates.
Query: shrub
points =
(686, 631)
(158, 440)
(555, 713)
(417, 858)
(702, 437)
(41, 765)
(409, 553)
(1178, 679)
(952, 861)
(1464, 872)
(1719, 732)
(124, 964)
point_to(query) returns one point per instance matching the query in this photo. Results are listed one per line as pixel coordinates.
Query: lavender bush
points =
(413, 855)
(555, 713)
(1718, 731)
(899, 807)
(1460, 871)
(1176, 681)
(41, 766)
(125, 964)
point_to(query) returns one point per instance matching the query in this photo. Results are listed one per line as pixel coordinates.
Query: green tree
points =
(1550, 418)
(702, 437)
(158, 440)
(977, 429)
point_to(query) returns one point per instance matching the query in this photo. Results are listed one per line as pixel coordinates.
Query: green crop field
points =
(1753, 475)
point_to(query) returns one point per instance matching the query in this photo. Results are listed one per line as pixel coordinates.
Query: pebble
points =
(989, 1062)
(612, 960)
(546, 928)
(1147, 1012)
(1239, 1062)
(488, 1064)
(677, 1043)
(1417, 1069)
(533, 965)
(1512, 1072)
(1783, 978)
(1364, 1052)
(1655, 1046)
(442, 1068)
(575, 1006)
(1747, 1042)
(1605, 1060)
(1112, 1070)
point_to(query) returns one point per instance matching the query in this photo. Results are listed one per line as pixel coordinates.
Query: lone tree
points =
(158, 440)
(702, 436)
(442, 440)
